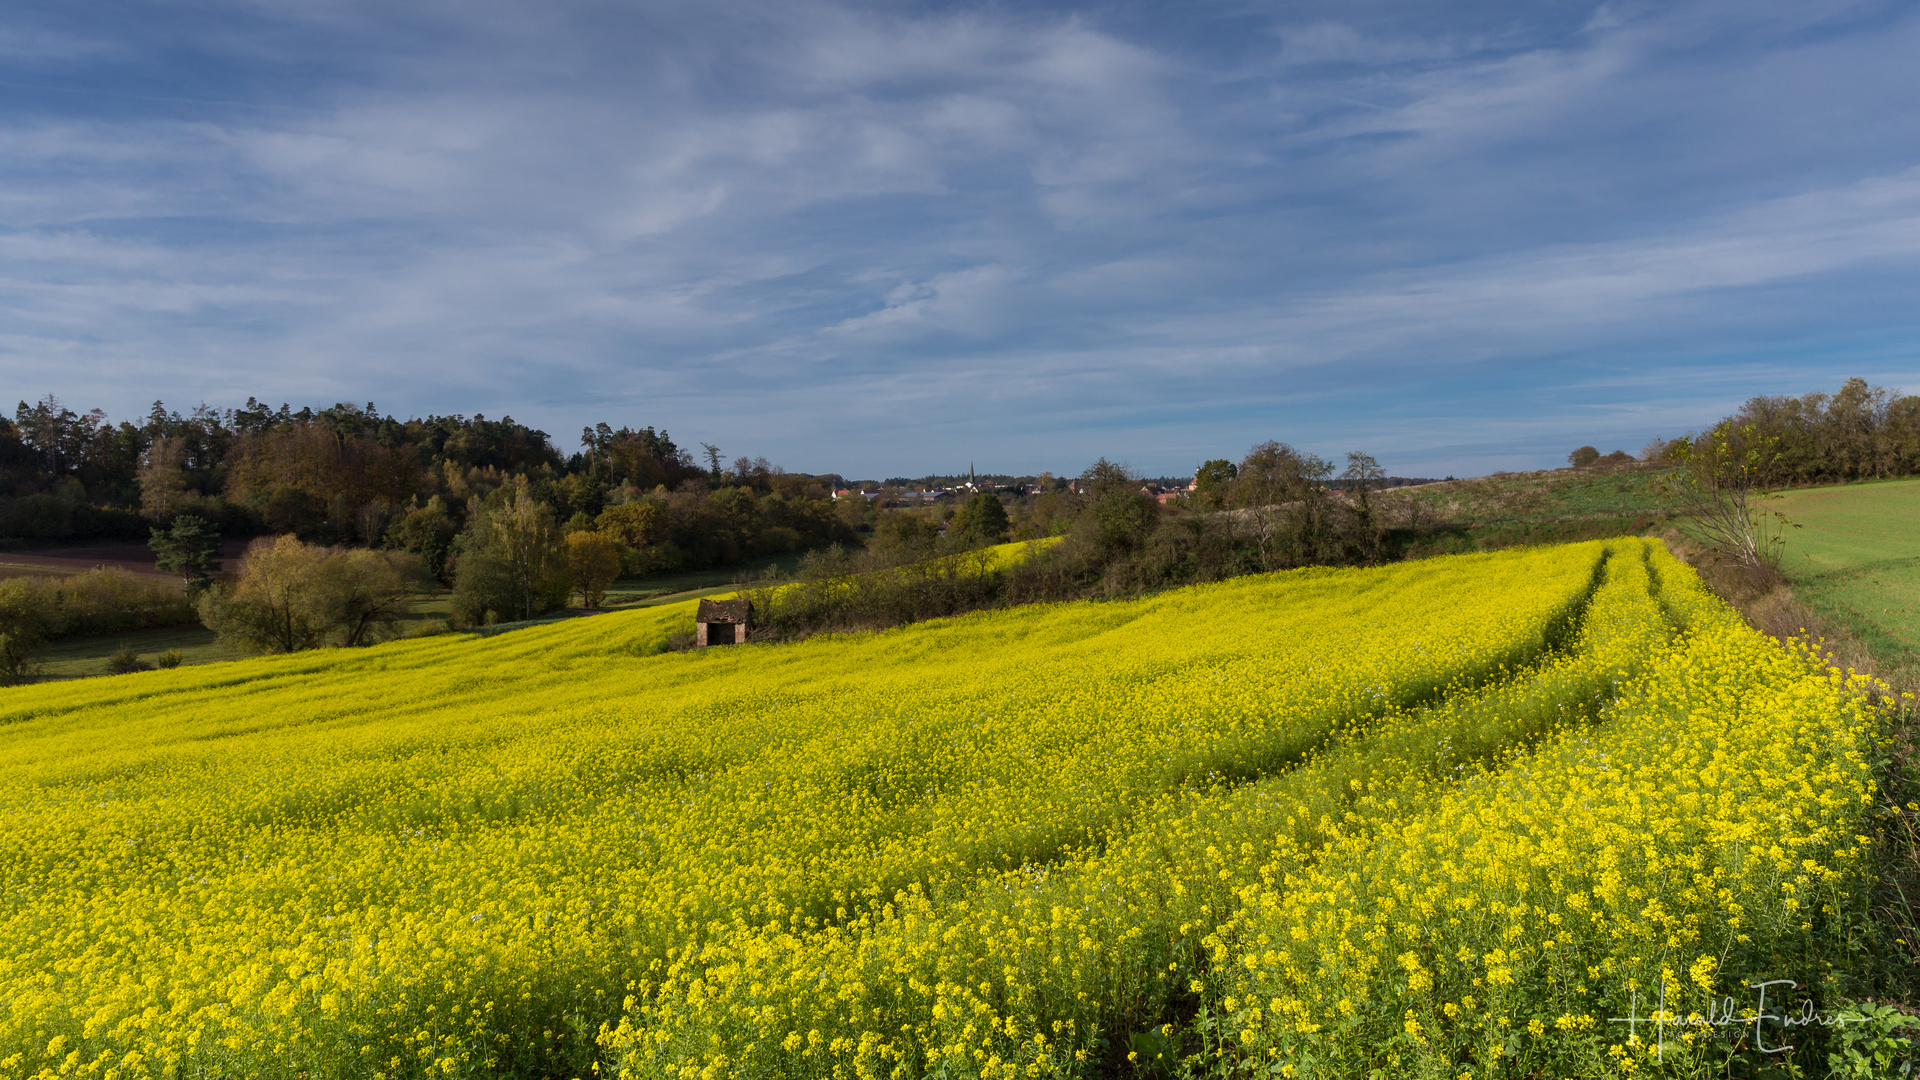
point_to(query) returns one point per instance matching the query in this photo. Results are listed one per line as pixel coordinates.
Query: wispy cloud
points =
(824, 226)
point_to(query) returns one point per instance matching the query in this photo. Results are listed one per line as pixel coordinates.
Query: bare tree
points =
(1362, 476)
(1719, 480)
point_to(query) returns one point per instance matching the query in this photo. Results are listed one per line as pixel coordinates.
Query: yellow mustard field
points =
(1436, 818)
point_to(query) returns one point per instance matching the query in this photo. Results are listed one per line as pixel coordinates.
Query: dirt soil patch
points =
(134, 558)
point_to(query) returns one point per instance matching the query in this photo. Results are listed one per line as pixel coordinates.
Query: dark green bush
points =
(125, 661)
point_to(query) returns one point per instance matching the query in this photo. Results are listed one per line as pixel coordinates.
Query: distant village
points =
(901, 491)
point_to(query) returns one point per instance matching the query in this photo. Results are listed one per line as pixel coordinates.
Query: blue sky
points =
(890, 239)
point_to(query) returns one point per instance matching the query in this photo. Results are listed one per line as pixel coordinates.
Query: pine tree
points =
(190, 548)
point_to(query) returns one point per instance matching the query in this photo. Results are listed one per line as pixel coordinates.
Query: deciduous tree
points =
(28, 618)
(982, 519)
(592, 563)
(510, 562)
(426, 531)
(1362, 476)
(1119, 514)
(635, 524)
(294, 596)
(903, 535)
(1280, 501)
(364, 593)
(528, 543)
(274, 606)
(163, 483)
(1211, 482)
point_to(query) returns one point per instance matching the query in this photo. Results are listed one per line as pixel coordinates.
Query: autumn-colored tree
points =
(592, 563)
(163, 483)
(273, 606)
(322, 462)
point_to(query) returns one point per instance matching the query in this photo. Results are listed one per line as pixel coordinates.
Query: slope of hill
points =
(1508, 509)
(1336, 820)
(1856, 560)
(1550, 495)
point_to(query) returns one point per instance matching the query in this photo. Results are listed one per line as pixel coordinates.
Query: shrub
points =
(114, 601)
(125, 661)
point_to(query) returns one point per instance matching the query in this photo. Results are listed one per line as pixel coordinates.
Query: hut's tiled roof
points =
(723, 611)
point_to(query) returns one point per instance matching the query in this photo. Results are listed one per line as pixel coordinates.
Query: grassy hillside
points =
(1509, 509)
(1548, 495)
(1338, 821)
(1856, 560)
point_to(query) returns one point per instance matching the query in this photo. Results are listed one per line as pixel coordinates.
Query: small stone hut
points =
(722, 622)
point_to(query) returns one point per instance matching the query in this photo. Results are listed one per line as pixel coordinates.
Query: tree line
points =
(1278, 508)
(1275, 508)
(358, 511)
(1861, 432)
(1724, 478)
(350, 475)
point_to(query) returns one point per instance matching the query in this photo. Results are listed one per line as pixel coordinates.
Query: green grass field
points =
(1856, 560)
(81, 657)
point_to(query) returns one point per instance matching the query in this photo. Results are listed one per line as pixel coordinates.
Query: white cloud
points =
(1550, 298)
(965, 302)
(814, 211)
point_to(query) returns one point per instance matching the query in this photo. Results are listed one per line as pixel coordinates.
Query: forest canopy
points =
(350, 475)
(452, 490)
